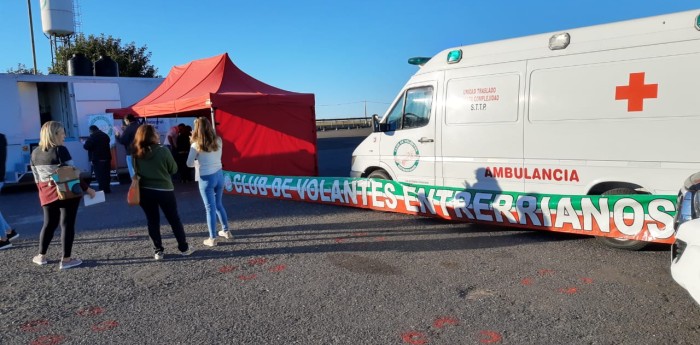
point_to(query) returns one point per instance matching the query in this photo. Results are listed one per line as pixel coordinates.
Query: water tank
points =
(80, 65)
(57, 17)
(106, 67)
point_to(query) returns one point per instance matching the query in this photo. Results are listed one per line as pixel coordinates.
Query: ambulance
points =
(601, 110)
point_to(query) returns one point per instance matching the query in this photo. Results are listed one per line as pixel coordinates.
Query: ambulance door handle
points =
(425, 140)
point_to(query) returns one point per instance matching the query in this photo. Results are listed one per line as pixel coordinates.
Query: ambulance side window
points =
(395, 116)
(419, 102)
(412, 110)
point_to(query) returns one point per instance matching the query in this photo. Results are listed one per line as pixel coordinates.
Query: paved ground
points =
(301, 273)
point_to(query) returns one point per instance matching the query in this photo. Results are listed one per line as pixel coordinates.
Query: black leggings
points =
(65, 212)
(151, 201)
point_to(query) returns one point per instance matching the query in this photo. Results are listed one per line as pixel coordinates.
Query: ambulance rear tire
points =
(379, 174)
(621, 243)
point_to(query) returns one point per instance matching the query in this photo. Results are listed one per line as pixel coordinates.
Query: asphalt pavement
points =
(301, 273)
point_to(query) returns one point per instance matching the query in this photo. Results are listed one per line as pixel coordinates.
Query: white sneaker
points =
(159, 256)
(70, 263)
(187, 252)
(210, 242)
(225, 234)
(39, 260)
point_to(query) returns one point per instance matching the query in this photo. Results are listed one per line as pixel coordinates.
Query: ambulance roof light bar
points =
(559, 41)
(418, 61)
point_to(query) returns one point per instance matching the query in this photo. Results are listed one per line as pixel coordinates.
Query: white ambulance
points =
(607, 109)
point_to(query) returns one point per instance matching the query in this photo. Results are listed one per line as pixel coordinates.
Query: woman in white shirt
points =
(206, 149)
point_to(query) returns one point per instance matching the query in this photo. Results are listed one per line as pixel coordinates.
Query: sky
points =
(351, 54)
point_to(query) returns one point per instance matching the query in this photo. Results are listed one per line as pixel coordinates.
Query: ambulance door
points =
(482, 135)
(407, 147)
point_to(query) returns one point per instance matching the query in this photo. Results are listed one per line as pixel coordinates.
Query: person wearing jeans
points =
(126, 138)
(206, 149)
(153, 165)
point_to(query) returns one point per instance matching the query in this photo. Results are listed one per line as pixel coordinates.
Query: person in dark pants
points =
(100, 156)
(183, 150)
(45, 159)
(154, 164)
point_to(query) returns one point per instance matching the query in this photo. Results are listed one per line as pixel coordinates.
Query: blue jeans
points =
(4, 227)
(211, 187)
(129, 166)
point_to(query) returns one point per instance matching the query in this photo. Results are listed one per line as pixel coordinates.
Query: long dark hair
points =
(145, 136)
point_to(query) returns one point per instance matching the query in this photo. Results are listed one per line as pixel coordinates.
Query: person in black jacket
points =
(100, 156)
(127, 137)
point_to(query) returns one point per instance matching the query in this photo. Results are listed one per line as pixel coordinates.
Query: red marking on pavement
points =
(360, 234)
(34, 325)
(569, 290)
(90, 311)
(445, 320)
(636, 91)
(53, 339)
(278, 268)
(587, 280)
(490, 337)
(339, 240)
(526, 281)
(380, 239)
(248, 277)
(257, 261)
(545, 272)
(227, 268)
(132, 233)
(414, 338)
(105, 326)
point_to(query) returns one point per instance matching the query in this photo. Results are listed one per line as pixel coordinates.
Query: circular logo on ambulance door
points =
(406, 155)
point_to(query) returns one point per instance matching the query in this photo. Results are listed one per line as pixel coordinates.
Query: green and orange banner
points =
(636, 217)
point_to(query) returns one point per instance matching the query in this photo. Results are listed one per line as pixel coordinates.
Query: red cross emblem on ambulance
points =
(636, 91)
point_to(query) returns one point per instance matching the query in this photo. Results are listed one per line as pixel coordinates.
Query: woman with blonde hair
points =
(206, 149)
(154, 164)
(45, 159)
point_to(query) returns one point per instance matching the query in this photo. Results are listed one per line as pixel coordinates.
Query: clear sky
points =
(345, 52)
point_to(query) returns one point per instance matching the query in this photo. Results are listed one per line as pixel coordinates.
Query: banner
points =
(636, 217)
(105, 122)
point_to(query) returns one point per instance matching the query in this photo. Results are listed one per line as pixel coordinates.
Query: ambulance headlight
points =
(688, 207)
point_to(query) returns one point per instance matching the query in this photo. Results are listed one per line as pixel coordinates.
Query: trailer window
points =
(412, 110)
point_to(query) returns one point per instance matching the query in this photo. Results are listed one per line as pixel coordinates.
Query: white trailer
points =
(607, 109)
(27, 101)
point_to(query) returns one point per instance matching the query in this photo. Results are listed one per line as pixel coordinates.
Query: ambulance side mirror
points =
(376, 125)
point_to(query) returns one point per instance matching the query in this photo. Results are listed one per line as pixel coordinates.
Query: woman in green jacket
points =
(154, 164)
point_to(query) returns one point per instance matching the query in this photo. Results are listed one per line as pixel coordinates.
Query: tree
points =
(133, 61)
(21, 69)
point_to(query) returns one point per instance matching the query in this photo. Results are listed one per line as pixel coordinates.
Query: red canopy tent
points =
(265, 130)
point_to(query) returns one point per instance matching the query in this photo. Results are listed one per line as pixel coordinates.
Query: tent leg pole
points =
(213, 123)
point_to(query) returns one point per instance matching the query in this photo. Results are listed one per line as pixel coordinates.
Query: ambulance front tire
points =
(621, 243)
(379, 174)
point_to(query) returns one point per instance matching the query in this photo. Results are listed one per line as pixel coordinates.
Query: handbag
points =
(67, 182)
(133, 197)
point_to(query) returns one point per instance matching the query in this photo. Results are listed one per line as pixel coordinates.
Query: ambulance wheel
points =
(621, 243)
(379, 175)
